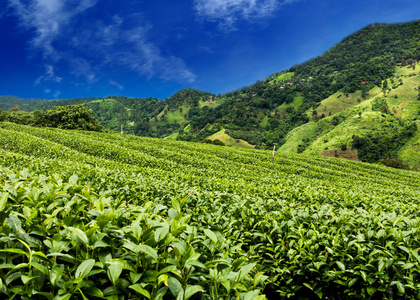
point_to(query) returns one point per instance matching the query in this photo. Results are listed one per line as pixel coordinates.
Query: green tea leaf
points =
(39, 267)
(400, 286)
(190, 290)
(148, 250)
(341, 265)
(95, 292)
(251, 295)
(14, 223)
(56, 273)
(80, 234)
(12, 277)
(211, 235)
(25, 279)
(3, 200)
(114, 271)
(139, 289)
(244, 271)
(175, 286)
(65, 296)
(363, 274)
(15, 250)
(84, 268)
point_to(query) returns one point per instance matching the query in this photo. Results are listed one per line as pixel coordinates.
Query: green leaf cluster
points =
(89, 215)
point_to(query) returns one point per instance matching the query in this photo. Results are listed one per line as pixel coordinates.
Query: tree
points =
(364, 92)
(3, 115)
(384, 86)
(72, 117)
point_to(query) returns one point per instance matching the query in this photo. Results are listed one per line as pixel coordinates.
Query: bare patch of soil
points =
(349, 153)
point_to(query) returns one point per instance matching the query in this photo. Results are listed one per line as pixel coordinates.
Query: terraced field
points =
(89, 215)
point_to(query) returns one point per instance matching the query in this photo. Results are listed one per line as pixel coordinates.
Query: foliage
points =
(214, 142)
(19, 117)
(380, 104)
(131, 217)
(3, 115)
(384, 142)
(65, 117)
(394, 163)
(71, 117)
(253, 137)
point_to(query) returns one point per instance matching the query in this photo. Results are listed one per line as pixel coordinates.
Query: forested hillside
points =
(379, 61)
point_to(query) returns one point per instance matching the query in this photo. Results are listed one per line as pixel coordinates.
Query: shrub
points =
(72, 117)
(394, 163)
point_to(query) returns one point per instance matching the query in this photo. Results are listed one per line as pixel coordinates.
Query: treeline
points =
(63, 117)
(12, 102)
(152, 119)
(131, 113)
(365, 58)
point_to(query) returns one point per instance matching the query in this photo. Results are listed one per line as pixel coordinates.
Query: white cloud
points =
(227, 12)
(129, 47)
(81, 67)
(48, 76)
(146, 59)
(48, 18)
(116, 84)
(122, 42)
(56, 94)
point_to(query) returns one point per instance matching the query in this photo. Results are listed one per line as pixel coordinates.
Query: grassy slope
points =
(342, 133)
(294, 137)
(282, 77)
(410, 153)
(176, 116)
(295, 103)
(402, 102)
(339, 101)
(230, 141)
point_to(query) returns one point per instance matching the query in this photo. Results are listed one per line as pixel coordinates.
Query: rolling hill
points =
(91, 215)
(315, 107)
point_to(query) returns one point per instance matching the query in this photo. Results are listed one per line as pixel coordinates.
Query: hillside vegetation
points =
(88, 215)
(383, 126)
(378, 62)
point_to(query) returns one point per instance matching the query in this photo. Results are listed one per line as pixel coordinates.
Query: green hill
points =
(89, 215)
(386, 114)
(379, 61)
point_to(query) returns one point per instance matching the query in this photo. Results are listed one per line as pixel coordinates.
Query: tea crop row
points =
(93, 215)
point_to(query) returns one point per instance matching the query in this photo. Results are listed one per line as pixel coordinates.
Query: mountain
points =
(365, 86)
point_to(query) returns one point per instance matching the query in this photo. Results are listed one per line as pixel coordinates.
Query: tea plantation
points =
(87, 215)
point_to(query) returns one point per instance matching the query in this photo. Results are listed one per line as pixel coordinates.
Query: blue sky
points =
(67, 48)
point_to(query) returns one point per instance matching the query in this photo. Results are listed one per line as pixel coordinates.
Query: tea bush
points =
(88, 215)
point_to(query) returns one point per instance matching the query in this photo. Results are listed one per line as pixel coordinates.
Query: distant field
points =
(230, 141)
(295, 103)
(410, 153)
(339, 101)
(283, 77)
(295, 137)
